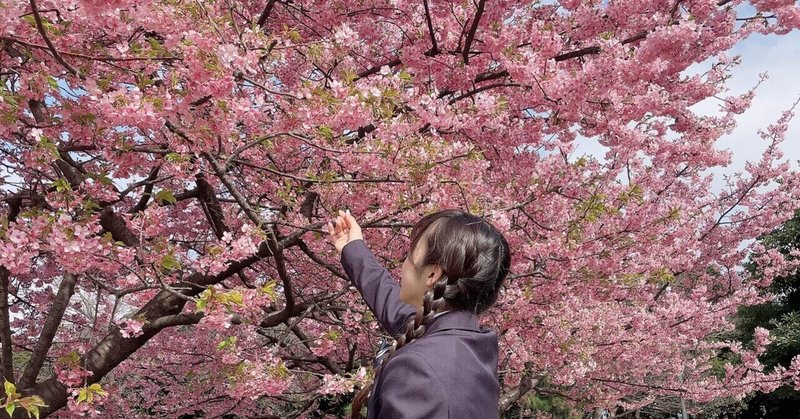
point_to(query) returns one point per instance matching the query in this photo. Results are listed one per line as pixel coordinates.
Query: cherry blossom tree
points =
(168, 167)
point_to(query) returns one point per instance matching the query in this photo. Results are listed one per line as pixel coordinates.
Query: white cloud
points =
(779, 57)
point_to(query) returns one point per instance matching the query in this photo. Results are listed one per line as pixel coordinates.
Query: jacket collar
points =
(457, 319)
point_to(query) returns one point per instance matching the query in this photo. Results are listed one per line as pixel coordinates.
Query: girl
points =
(444, 365)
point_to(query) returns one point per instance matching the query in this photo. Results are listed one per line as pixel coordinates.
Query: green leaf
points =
(103, 178)
(69, 360)
(62, 185)
(349, 76)
(11, 100)
(279, 371)
(232, 297)
(154, 44)
(215, 250)
(10, 409)
(11, 389)
(205, 298)
(84, 119)
(96, 388)
(235, 297)
(87, 394)
(32, 404)
(52, 82)
(166, 196)
(30, 20)
(90, 206)
(229, 342)
(325, 131)
(404, 75)
(169, 262)
(83, 395)
(269, 289)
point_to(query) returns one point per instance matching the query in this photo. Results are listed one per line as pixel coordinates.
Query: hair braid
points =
(474, 257)
(432, 302)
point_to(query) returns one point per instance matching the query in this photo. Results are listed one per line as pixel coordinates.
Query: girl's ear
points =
(433, 276)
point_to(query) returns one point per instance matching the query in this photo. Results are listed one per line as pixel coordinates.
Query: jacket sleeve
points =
(409, 389)
(380, 292)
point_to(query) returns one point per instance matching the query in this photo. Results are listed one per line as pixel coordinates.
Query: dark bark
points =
(211, 206)
(472, 31)
(5, 327)
(262, 20)
(65, 291)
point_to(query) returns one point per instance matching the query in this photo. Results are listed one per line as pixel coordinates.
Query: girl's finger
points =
(331, 229)
(350, 221)
(340, 223)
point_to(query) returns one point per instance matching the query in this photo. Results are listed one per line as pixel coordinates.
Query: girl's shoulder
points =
(447, 349)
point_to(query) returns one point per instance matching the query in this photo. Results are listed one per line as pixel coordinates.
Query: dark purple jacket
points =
(450, 372)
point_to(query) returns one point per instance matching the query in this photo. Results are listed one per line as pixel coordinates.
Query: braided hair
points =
(474, 258)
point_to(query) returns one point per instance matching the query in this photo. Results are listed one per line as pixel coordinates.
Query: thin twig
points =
(434, 48)
(47, 41)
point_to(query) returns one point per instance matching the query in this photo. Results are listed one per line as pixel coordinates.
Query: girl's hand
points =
(343, 230)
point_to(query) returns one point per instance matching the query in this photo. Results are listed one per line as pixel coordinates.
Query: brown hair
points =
(475, 259)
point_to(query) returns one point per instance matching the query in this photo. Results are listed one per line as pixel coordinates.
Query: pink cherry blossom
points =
(168, 167)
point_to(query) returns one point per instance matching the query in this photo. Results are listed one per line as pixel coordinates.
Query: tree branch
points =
(5, 327)
(240, 199)
(150, 181)
(472, 30)
(596, 49)
(211, 206)
(54, 316)
(262, 20)
(280, 264)
(325, 361)
(746, 191)
(434, 48)
(307, 206)
(115, 224)
(526, 383)
(377, 68)
(181, 319)
(47, 41)
(332, 269)
(322, 181)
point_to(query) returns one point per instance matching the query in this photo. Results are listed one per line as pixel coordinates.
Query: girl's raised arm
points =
(381, 293)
